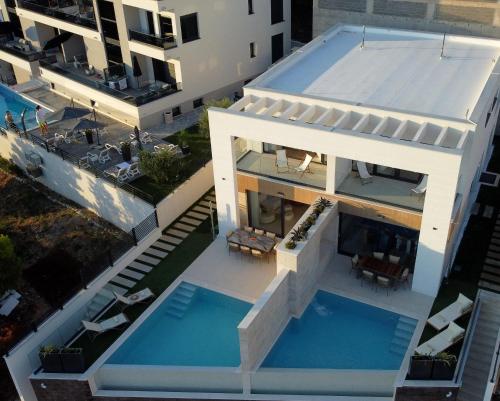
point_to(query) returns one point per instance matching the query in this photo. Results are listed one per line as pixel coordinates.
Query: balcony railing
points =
(16, 50)
(164, 42)
(58, 13)
(154, 93)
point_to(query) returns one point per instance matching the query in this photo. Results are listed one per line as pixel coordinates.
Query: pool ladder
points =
(402, 336)
(180, 300)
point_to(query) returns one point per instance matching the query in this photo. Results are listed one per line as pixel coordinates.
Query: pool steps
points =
(402, 336)
(180, 300)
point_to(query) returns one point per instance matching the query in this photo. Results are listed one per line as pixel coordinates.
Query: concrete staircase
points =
(402, 336)
(477, 366)
(490, 276)
(180, 300)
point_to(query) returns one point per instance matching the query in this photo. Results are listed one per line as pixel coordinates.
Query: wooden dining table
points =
(380, 267)
(253, 241)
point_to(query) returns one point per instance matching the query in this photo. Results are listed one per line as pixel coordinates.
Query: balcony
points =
(70, 14)
(163, 42)
(135, 97)
(21, 50)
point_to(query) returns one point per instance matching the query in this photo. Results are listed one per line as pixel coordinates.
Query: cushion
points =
(455, 332)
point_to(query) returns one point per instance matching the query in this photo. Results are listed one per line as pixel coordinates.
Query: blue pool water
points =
(10, 100)
(338, 333)
(192, 327)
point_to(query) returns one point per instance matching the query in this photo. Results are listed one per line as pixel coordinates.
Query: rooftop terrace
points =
(393, 69)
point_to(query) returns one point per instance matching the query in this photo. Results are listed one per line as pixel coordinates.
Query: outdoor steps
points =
(180, 299)
(477, 365)
(141, 266)
(177, 233)
(210, 198)
(99, 302)
(132, 274)
(402, 335)
(115, 288)
(196, 215)
(206, 204)
(123, 281)
(170, 239)
(184, 227)
(164, 246)
(190, 221)
(148, 259)
(156, 252)
(202, 210)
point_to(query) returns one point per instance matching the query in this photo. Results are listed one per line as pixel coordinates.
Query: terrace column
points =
(434, 230)
(224, 164)
(331, 163)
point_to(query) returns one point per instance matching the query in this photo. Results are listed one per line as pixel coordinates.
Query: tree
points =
(10, 265)
(162, 166)
(203, 123)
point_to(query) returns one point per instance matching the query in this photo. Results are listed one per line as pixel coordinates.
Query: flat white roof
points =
(395, 69)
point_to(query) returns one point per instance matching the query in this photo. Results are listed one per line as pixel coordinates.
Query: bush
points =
(10, 265)
(203, 123)
(162, 167)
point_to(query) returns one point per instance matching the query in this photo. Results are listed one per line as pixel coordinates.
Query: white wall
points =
(113, 204)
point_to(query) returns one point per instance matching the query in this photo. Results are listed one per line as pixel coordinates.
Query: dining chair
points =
(245, 250)
(384, 282)
(354, 264)
(229, 233)
(378, 255)
(259, 232)
(367, 276)
(404, 279)
(394, 259)
(232, 247)
(270, 235)
(257, 254)
(248, 229)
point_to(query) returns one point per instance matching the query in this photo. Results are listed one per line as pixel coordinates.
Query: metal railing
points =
(496, 363)
(10, 47)
(154, 93)
(57, 13)
(164, 42)
(145, 227)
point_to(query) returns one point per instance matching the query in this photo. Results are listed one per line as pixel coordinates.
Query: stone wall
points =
(480, 18)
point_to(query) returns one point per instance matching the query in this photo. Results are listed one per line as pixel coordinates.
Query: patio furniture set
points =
(385, 272)
(251, 242)
(282, 164)
(124, 171)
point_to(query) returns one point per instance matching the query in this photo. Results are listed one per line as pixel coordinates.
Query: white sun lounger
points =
(136, 298)
(363, 173)
(96, 328)
(420, 188)
(304, 166)
(281, 160)
(442, 341)
(452, 312)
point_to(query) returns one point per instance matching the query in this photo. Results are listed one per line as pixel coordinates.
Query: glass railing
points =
(154, 93)
(165, 42)
(58, 13)
(17, 50)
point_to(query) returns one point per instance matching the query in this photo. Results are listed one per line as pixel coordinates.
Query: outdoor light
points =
(43, 385)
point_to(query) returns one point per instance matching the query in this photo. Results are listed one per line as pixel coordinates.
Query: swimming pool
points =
(10, 100)
(338, 333)
(192, 327)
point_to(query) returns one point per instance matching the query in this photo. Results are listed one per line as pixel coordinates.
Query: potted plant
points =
(444, 366)
(50, 359)
(72, 360)
(126, 151)
(89, 136)
(290, 245)
(420, 367)
(183, 141)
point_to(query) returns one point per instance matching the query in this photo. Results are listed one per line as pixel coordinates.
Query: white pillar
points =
(436, 218)
(331, 162)
(224, 163)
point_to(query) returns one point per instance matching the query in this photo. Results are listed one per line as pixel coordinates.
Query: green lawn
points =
(200, 154)
(157, 280)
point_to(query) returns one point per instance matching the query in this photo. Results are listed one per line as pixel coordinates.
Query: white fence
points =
(183, 197)
(109, 202)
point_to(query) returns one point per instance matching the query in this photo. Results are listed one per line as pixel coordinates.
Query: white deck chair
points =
(133, 170)
(146, 137)
(452, 312)
(122, 175)
(96, 328)
(281, 161)
(363, 173)
(104, 156)
(136, 298)
(442, 341)
(304, 167)
(420, 188)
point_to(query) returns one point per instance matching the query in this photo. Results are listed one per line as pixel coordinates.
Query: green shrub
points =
(163, 167)
(10, 265)
(203, 123)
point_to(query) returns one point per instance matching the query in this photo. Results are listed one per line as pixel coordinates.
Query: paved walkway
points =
(172, 237)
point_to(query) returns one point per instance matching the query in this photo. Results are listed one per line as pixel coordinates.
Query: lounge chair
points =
(420, 188)
(104, 156)
(133, 171)
(146, 137)
(363, 173)
(442, 341)
(281, 161)
(96, 328)
(136, 298)
(452, 312)
(92, 157)
(378, 255)
(84, 162)
(304, 166)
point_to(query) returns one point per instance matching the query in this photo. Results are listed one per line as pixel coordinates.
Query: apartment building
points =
(144, 61)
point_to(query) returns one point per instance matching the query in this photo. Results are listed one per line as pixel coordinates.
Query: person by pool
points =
(9, 122)
(40, 119)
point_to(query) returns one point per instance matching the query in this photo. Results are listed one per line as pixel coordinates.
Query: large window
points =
(277, 47)
(250, 7)
(274, 214)
(189, 27)
(276, 11)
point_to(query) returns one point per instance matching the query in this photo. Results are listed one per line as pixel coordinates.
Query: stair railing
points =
(495, 360)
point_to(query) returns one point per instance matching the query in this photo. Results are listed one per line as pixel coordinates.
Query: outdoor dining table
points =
(380, 267)
(259, 242)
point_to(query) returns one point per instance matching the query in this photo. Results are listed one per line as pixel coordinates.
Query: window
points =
(198, 103)
(250, 7)
(176, 111)
(252, 50)
(189, 27)
(276, 11)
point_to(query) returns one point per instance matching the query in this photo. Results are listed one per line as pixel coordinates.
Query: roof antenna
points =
(442, 46)
(363, 41)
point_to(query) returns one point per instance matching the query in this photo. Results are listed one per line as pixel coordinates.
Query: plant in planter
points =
(50, 359)
(72, 360)
(444, 366)
(184, 142)
(89, 136)
(297, 235)
(324, 202)
(290, 245)
(420, 367)
(126, 151)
